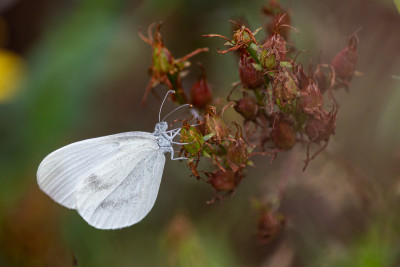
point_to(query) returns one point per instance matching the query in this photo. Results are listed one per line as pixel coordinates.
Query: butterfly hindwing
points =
(123, 191)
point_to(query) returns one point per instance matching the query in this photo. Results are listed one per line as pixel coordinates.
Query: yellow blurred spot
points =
(11, 74)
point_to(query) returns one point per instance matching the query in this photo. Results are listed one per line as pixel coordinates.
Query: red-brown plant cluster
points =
(281, 103)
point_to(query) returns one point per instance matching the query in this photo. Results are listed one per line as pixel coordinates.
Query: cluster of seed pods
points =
(281, 103)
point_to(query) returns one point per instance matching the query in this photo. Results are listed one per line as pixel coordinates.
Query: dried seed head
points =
(215, 125)
(283, 134)
(286, 91)
(247, 107)
(249, 76)
(311, 99)
(237, 155)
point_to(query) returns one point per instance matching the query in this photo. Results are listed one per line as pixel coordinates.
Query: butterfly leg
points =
(172, 155)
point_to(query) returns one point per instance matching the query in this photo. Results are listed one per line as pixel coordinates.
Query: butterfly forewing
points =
(61, 171)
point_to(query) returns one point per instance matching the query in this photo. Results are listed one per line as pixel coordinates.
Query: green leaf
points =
(208, 136)
(205, 154)
(250, 163)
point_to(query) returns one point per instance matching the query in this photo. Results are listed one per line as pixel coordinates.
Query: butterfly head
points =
(161, 127)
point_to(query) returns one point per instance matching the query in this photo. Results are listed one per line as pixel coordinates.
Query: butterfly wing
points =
(123, 191)
(61, 171)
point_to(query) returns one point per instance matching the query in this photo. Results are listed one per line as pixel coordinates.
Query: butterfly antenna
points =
(162, 104)
(181, 106)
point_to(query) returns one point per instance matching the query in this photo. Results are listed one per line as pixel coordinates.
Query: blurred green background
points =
(71, 70)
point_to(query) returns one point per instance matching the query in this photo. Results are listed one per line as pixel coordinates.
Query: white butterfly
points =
(112, 181)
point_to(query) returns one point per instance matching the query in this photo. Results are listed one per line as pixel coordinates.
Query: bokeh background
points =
(71, 70)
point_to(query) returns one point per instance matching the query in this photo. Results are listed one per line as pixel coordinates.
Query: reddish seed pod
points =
(247, 107)
(283, 134)
(320, 128)
(249, 76)
(201, 93)
(344, 63)
(224, 180)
